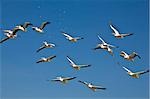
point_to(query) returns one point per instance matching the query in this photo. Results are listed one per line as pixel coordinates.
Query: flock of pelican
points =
(11, 34)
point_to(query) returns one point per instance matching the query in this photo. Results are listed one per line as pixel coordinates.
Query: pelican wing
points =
(114, 29)
(112, 46)
(42, 47)
(55, 79)
(51, 57)
(139, 56)
(79, 38)
(123, 53)
(7, 31)
(39, 61)
(44, 24)
(97, 47)
(126, 69)
(26, 24)
(127, 34)
(101, 39)
(69, 78)
(142, 72)
(66, 35)
(83, 82)
(98, 87)
(15, 30)
(72, 63)
(84, 66)
(4, 39)
(134, 55)
(52, 44)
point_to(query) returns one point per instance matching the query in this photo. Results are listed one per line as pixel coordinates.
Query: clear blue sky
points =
(22, 78)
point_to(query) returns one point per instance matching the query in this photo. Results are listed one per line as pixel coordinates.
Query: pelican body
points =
(91, 86)
(135, 74)
(63, 80)
(129, 57)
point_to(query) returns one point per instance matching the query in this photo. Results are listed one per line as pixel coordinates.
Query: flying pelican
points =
(135, 74)
(117, 34)
(40, 29)
(48, 59)
(91, 86)
(46, 45)
(24, 26)
(105, 46)
(63, 80)
(70, 38)
(10, 34)
(129, 56)
(75, 66)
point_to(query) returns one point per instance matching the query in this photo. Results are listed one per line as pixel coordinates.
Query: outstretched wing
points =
(39, 61)
(83, 82)
(4, 39)
(7, 31)
(134, 55)
(55, 79)
(71, 62)
(99, 87)
(26, 24)
(143, 72)
(122, 53)
(69, 78)
(79, 38)
(84, 66)
(101, 40)
(67, 36)
(114, 29)
(124, 35)
(40, 48)
(126, 69)
(51, 57)
(44, 24)
(112, 46)
(15, 30)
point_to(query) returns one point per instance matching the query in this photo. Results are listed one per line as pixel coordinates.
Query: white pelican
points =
(117, 34)
(46, 45)
(91, 86)
(135, 74)
(75, 66)
(129, 56)
(70, 38)
(40, 29)
(10, 34)
(63, 80)
(24, 26)
(105, 46)
(48, 59)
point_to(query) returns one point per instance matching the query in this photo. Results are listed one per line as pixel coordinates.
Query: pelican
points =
(75, 66)
(105, 46)
(48, 59)
(40, 29)
(10, 34)
(135, 74)
(70, 38)
(63, 80)
(117, 34)
(91, 86)
(46, 45)
(24, 26)
(129, 56)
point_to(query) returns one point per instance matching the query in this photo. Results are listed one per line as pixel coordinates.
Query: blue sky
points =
(22, 78)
